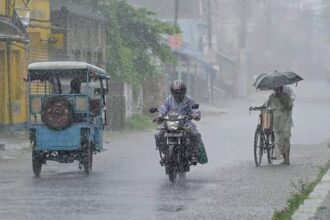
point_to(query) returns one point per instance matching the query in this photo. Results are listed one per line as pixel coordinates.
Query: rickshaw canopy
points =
(46, 70)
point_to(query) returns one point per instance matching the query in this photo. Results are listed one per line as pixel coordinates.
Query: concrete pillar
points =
(242, 80)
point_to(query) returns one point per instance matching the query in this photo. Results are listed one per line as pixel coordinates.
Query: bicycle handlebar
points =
(255, 108)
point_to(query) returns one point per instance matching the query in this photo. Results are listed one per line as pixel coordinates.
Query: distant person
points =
(281, 104)
(75, 85)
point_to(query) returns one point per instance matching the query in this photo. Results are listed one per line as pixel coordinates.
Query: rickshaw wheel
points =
(258, 147)
(88, 160)
(36, 165)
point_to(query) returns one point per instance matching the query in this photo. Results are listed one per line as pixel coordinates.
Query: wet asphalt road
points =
(128, 183)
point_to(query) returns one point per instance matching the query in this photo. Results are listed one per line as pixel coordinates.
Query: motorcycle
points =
(178, 150)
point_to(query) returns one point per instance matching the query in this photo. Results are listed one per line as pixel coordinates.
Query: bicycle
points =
(264, 135)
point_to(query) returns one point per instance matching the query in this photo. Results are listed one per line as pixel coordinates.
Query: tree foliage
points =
(134, 37)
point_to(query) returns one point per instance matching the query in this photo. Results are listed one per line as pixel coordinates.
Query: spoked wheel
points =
(36, 164)
(258, 146)
(88, 159)
(270, 148)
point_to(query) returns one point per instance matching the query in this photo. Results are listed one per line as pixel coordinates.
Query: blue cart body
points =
(66, 126)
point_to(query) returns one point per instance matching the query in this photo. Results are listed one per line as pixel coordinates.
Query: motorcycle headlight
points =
(172, 125)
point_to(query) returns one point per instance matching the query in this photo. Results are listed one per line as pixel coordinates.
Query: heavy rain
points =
(164, 109)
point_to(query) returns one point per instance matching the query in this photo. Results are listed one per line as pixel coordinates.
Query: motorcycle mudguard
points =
(170, 150)
(202, 156)
(169, 165)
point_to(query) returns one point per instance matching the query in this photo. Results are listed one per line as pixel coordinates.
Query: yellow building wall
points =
(13, 99)
(15, 56)
(13, 69)
(3, 84)
(39, 30)
(3, 7)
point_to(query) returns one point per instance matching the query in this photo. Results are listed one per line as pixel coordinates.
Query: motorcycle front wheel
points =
(172, 175)
(182, 175)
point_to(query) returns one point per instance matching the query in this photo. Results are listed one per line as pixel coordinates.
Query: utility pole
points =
(176, 12)
(94, 4)
(267, 22)
(209, 36)
(243, 24)
(209, 22)
(267, 13)
(7, 7)
(176, 15)
(241, 83)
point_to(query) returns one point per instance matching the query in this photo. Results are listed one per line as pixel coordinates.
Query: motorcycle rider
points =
(178, 101)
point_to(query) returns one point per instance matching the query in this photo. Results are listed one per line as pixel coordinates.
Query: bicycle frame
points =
(263, 140)
(266, 133)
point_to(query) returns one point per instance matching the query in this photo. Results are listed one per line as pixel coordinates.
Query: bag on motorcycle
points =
(202, 156)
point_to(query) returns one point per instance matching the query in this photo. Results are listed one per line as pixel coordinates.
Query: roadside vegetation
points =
(139, 122)
(297, 198)
(135, 37)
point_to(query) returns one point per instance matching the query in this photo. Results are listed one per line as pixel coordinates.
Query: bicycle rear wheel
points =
(258, 146)
(270, 148)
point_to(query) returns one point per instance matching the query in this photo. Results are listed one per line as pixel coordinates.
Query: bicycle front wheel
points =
(258, 146)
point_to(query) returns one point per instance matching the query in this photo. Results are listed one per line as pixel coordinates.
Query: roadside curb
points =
(310, 206)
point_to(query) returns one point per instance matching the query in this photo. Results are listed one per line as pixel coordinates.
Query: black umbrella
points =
(272, 80)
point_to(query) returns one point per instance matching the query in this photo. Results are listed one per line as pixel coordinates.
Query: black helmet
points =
(178, 90)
